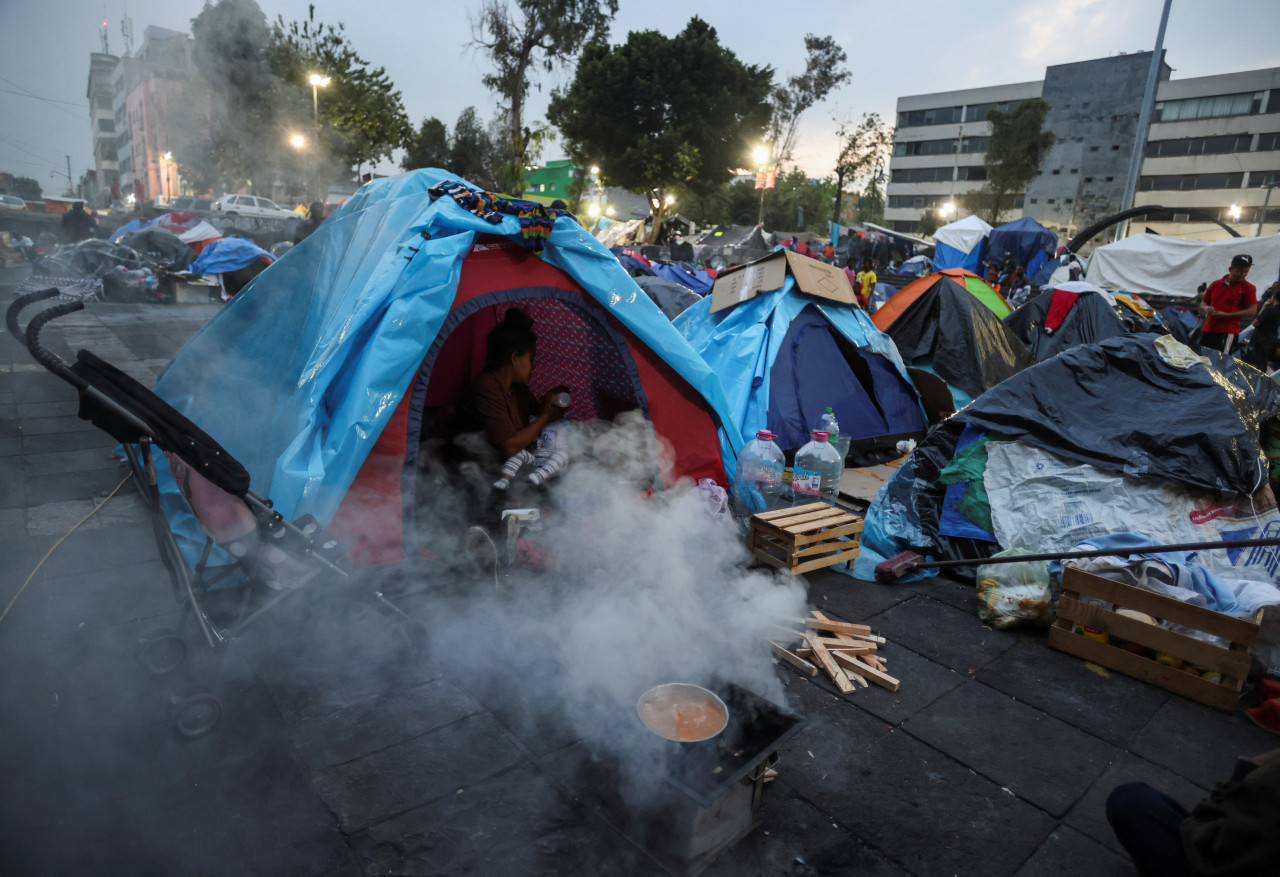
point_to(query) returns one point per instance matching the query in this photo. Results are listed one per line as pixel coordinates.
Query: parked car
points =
(192, 205)
(11, 202)
(233, 207)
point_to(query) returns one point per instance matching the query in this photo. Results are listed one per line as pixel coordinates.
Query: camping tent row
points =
(969, 243)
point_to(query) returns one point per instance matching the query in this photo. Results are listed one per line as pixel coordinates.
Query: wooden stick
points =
(838, 676)
(794, 660)
(843, 634)
(821, 622)
(847, 645)
(879, 677)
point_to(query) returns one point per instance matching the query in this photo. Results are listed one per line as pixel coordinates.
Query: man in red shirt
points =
(1226, 301)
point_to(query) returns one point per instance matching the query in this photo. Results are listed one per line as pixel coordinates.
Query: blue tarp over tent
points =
(1029, 242)
(228, 254)
(961, 244)
(783, 358)
(298, 376)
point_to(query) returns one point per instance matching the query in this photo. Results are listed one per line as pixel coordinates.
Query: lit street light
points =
(168, 158)
(1234, 210)
(761, 156)
(316, 82)
(947, 209)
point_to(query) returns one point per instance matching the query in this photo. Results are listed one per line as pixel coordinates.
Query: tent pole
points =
(1144, 122)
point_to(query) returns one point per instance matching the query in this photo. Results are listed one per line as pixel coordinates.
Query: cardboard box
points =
(768, 274)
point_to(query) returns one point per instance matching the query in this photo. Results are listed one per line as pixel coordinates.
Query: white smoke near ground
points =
(648, 588)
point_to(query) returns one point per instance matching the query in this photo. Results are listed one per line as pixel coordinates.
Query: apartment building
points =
(102, 127)
(1212, 148)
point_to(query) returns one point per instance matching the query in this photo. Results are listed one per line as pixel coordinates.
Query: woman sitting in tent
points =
(499, 402)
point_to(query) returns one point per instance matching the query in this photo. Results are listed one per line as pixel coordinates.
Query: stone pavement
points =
(994, 758)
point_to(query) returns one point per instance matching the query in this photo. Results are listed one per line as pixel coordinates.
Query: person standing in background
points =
(1227, 300)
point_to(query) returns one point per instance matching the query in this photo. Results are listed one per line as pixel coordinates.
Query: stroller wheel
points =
(160, 651)
(197, 713)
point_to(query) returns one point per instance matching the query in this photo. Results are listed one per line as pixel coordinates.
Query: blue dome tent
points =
(783, 357)
(961, 244)
(1029, 242)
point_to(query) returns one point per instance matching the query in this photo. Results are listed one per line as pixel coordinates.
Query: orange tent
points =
(894, 307)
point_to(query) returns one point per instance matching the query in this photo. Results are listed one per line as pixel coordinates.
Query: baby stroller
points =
(274, 556)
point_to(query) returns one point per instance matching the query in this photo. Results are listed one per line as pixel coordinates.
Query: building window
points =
(978, 112)
(1088, 179)
(1068, 200)
(1199, 146)
(1189, 182)
(905, 225)
(926, 147)
(1115, 147)
(1017, 201)
(1259, 179)
(975, 144)
(1093, 149)
(1269, 142)
(975, 172)
(1075, 170)
(921, 175)
(1244, 104)
(1111, 179)
(938, 116)
(915, 202)
(1035, 200)
(1057, 171)
(1049, 201)
(107, 125)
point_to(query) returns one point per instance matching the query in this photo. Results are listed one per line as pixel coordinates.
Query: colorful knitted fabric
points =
(535, 219)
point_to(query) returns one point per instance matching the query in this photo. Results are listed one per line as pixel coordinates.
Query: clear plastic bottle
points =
(816, 474)
(828, 424)
(757, 484)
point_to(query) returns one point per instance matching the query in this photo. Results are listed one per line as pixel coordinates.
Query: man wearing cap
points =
(1226, 301)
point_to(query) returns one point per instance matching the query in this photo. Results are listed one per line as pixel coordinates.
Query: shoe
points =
(1266, 716)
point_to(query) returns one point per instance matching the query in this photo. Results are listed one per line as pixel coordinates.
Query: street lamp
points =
(297, 141)
(316, 82)
(947, 209)
(168, 158)
(1234, 210)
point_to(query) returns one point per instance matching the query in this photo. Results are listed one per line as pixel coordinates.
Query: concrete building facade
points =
(1213, 145)
(102, 126)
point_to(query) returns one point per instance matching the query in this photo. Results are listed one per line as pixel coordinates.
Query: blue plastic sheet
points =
(742, 343)
(298, 375)
(228, 254)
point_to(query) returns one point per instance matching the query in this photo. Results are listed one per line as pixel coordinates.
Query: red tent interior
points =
(606, 367)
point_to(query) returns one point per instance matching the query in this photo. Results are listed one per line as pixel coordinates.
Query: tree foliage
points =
(1016, 151)
(664, 116)
(738, 203)
(527, 34)
(930, 221)
(864, 153)
(361, 114)
(823, 73)
(428, 146)
(27, 189)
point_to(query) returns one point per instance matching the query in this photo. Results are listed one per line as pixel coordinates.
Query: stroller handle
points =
(16, 306)
(48, 358)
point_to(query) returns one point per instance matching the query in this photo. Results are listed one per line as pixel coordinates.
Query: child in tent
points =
(550, 455)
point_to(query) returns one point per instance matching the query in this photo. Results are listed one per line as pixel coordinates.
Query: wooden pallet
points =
(1232, 663)
(805, 537)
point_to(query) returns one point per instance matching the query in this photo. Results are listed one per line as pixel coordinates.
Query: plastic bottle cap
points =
(765, 435)
(828, 409)
(819, 435)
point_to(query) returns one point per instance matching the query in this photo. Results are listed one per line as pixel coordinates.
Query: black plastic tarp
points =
(970, 347)
(1090, 320)
(735, 236)
(162, 247)
(1117, 406)
(668, 295)
(1121, 407)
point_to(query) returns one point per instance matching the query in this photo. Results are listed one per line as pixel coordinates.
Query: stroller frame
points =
(142, 422)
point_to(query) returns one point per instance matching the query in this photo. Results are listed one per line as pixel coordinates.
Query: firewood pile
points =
(849, 653)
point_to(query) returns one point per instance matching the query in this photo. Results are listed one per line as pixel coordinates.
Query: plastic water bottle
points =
(561, 400)
(827, 423)
(757, 485)
(816, 474)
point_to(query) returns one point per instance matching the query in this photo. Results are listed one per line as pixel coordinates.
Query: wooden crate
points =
(805, 537)
(1233, 662)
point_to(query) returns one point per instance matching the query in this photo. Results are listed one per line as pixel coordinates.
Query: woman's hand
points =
(551, 410)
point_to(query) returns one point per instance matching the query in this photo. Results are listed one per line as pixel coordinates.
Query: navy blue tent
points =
(1029, 242)
(783, 358)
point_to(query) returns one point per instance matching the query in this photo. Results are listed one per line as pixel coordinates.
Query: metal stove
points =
(711, 791)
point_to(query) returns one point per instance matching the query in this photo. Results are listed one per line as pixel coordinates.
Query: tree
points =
(471, 151)
(243, 137)
(535, 33)
(930, 221)
(864, 151)
(1017, 148)
(27, 189)
(822, 73)
(361, 113)
(428, 147)
(668, 117)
